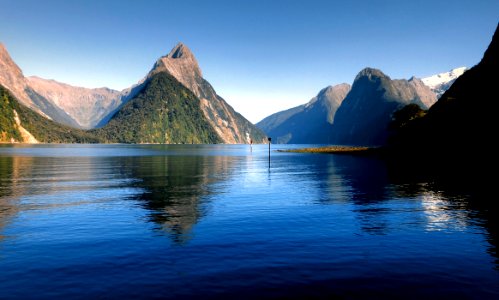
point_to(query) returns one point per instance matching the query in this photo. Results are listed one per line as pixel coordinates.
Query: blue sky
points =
(261, 56)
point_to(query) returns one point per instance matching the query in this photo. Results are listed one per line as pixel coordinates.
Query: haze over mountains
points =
(308, 123)
(86, 106)
(363, 119)
(93, 108)
(182, 107)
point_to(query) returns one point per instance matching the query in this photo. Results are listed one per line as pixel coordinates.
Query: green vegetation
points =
(8, 126)
(406, 114)
(163, 112)
(43, 129)
(48, 131)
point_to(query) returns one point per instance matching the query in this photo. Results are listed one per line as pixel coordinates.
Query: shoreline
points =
(333, 150)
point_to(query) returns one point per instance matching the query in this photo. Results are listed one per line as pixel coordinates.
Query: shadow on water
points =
(367, 181)
(467, 187)
(447, 197)
(467, 193)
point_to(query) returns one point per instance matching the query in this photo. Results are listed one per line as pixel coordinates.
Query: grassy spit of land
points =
(334, 150)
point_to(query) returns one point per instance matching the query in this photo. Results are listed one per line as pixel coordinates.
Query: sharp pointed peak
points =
(180, 51)
(3, 49)
(180, 63)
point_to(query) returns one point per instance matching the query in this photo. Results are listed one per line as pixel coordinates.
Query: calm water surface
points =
(120, 221)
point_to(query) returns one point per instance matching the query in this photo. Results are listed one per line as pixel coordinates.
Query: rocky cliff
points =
(227, 123)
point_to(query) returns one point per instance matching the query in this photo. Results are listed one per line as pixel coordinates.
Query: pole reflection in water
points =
(151, 221)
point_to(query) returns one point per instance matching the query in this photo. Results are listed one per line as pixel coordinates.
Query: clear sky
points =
(261, 56)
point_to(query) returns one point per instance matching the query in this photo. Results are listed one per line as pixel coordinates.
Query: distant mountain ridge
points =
(310, 123)
(364, 115)
(362, 120)
(86, 106)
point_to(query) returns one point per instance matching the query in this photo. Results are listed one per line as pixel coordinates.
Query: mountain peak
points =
(439, 83)
(371, 72)
(443, 78)
(180, 63)
(4, 54)
(12, 77)
(180, 51)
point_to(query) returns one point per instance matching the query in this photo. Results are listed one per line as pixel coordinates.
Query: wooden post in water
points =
(270, 140)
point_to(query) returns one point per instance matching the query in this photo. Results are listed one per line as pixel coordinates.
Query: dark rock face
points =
(463, 119)
(364, 115)
(309, 123)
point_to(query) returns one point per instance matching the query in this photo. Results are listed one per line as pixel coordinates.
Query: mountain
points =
(86, 106)
(20, 124)
(227, 123)
(164, 111)
(462, 125)
(74, 106)
(364, 115)
(11, 129)
(310, 123)
(93, 108)
(12, 78)
(439, 83)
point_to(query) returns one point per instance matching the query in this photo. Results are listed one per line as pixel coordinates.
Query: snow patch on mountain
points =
(439, 83)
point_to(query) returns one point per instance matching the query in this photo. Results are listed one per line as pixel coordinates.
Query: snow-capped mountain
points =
(439, 83)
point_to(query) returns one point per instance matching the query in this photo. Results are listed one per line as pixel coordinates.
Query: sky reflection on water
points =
(214, 221)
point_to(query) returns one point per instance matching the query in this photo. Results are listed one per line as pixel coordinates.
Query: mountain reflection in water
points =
(175, 188)
(157, 221)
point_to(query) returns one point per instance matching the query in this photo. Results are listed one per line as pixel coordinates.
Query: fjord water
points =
(214, 221)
